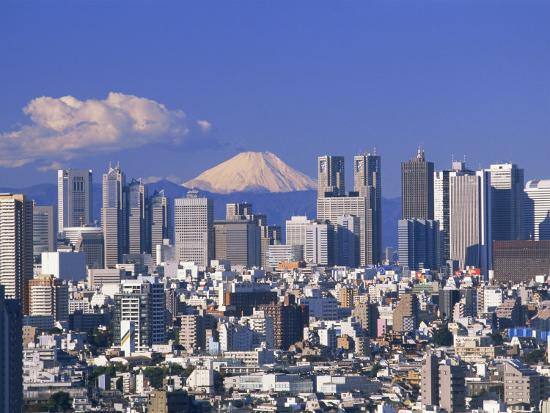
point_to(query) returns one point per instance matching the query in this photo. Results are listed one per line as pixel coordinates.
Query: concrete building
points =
(522, 385)
(419, 244)
(429, 381)
(43, 232)
(295, 229)
(507, 183)
(74, 198)
(280, 253)
(142, 302)
(417, 188)
(16, 246)
(289, 321)
(238, 241)
(87, 240)
(11, 356)
(331, 176)
(318, 249)
(405, 314)
(66, 265)
(367, 314)
(470, 219)
(348, 231)
(452, 387)
(536, 210)
(194, 229)
(114, 216)
(520, 261)
(49, 296)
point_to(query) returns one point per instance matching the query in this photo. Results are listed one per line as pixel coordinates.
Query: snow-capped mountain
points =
(252, 171)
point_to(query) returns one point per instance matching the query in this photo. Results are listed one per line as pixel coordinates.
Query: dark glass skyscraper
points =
(417, 188)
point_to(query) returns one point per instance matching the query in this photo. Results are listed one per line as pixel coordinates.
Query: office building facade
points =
(331, 176)
(419, 244)
(74, 198)
(417, 188)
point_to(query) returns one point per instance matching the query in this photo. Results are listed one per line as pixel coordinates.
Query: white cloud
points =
(65, 128)
(204, 125)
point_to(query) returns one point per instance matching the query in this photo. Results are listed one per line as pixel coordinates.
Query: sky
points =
(171, 88)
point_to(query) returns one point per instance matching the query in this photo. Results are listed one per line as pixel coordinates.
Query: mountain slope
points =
(252, 172)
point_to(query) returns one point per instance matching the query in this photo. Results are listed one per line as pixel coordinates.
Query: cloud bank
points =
(65, 128)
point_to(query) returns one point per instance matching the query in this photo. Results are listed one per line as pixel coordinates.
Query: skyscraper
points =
(507, 196)
(16, 248)
(238, 241)
(536, 210)
(318, 249)
(114, 216)
(74, 198)
(11, 356)
(158, 210)
(137, 232)
(331, 176)
(348, 228)
(296, 230)
(470, 240)
(417, 188)
(43, 230)
(194, 229)
(419, 244)
(367, 178)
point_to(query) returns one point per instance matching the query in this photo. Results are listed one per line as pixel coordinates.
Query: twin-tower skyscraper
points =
(364, 202)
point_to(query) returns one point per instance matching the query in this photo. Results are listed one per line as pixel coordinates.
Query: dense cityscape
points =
(156, 306)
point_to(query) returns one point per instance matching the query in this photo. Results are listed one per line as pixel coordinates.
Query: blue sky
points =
(462, 78)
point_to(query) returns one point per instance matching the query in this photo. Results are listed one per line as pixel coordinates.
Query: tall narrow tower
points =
(417, 188)
(74, 198)
(114, 216)
(330, 176)
(507, 195)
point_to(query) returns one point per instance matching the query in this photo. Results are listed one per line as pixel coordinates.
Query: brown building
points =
(169, 402)
(367, 314)
(516, 261)
(289, 320)
(405, 315)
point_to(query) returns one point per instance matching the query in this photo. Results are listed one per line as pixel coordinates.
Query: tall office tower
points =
(506, 203)
(237, 242)
(405, 314)
(348, 229)
(452, 386)
(43, 233)
(49, 296)
(158, 210)
(417, 188)
(114, 216)
(318, 249)
(429, 381)
(137, 232)
(296, 230)
(74, 198)
(142, 303)
(11, 356)
(16, 250)
(367, 174)
(536, 210)
(330, 176)
(88, 240)
(238, 210)
(194, 229)
(330, 208)
(470, 240)
(367, 314)
(419, 244)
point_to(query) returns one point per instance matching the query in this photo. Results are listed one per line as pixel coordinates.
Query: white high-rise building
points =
(16, 251)
(318, 249)
(470, 240)
(296, 230)
(74, 198)
(43, 230)
(536, 210)
(194, 229)
(48, 296)
(114, 216)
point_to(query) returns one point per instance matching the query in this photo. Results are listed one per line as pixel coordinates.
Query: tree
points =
(533, 356)
(443, 337)
(155, 376)
(497, 339)
(59, 402)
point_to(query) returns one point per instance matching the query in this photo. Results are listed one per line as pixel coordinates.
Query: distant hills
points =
(278, 206)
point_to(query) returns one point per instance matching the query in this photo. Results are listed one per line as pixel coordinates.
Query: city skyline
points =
(456, 93)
